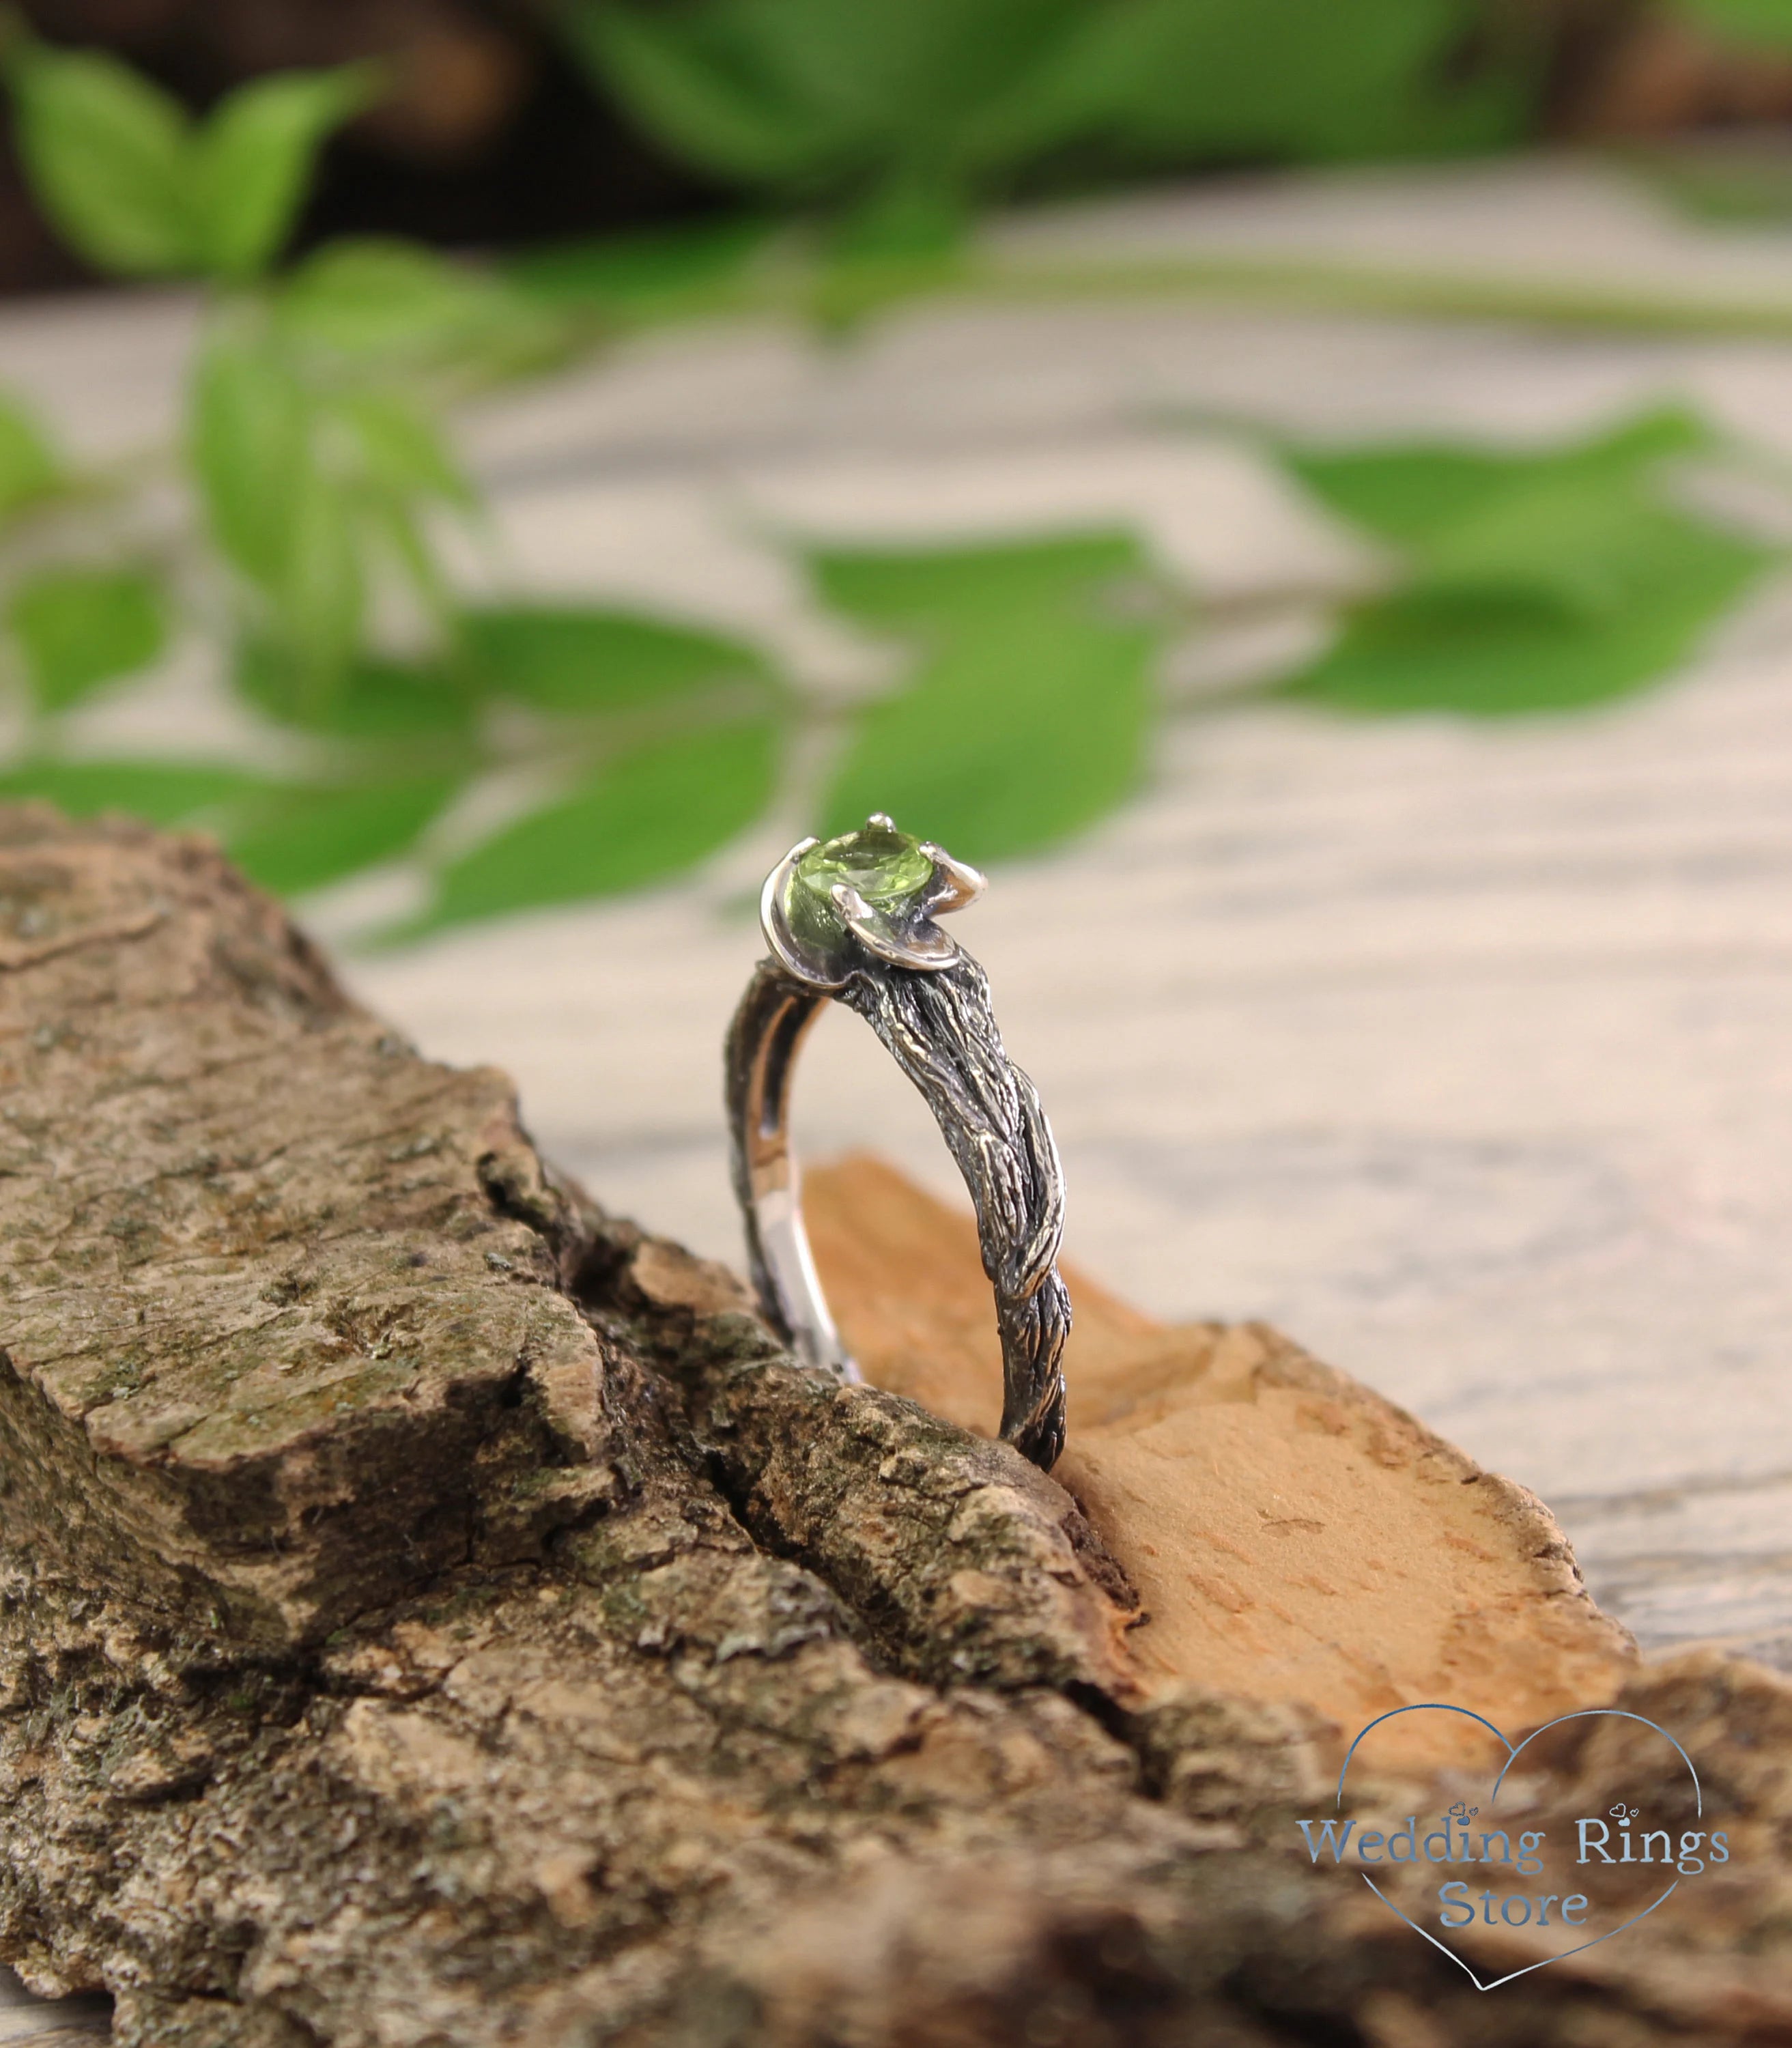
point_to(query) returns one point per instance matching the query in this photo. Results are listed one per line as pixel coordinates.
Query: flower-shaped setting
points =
(829, 902)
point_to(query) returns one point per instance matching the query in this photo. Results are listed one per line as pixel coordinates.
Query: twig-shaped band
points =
(938, 1026)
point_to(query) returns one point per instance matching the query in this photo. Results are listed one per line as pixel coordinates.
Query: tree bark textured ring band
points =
(852, 920)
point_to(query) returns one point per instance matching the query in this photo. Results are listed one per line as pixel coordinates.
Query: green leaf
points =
(1590, 548)
(29, 467)
(320, 597)
(314, 490)
(106, 154)
(291, 840)
(253, 160)
(362, 298)
(911, 102)
(651, 814)
(563, 659)
(684, 77)
(1073, 83)
(913, 85)
(918, 104)
(1306, 79)
(402, 449)
(79, 628)
(377, 700)
(1537, 581)
(1028, 711)
(392, 306)
(393, 536)
(160, 793)
(657, 273)
(250, 437)
(135, 189)
(1410, 492)
(1493, 656)
(288, 523)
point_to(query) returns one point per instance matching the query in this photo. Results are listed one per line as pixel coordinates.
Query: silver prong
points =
(956, 881)
(792, 955)
(881, 821)
(771, 897)
(922, 946)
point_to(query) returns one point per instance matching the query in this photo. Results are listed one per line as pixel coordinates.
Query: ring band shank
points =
(767, 1034)
(940, 1029)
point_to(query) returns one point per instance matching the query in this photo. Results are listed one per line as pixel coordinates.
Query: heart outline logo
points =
(1514, 1752)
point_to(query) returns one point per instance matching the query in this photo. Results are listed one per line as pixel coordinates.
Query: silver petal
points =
(922, 945)
(806, 963)
(956, 883)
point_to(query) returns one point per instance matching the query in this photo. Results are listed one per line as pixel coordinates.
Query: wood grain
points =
(1295, 1537)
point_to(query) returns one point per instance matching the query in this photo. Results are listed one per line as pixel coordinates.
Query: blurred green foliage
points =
(906, 113)
(1307, 80)
(313, 433)
(1027, 709)
(163, 792)
(1763, 24)
(518, 756)
(645, 813)
(140, 188)
(649, 276)
(908, 108)
(1533, 582)
(77, 628)
(29, 469)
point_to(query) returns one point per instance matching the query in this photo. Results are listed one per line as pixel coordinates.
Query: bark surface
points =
(432, 1612)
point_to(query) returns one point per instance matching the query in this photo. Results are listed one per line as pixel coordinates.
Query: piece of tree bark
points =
(431, 1611)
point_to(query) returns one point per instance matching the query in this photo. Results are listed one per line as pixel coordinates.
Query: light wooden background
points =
(1464, 1053)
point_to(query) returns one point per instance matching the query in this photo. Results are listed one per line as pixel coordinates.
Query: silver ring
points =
(852, 919)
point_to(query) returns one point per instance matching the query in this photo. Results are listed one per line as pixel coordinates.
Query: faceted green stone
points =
(887, 868)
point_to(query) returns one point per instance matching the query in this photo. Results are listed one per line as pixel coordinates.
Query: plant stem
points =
(836, 291)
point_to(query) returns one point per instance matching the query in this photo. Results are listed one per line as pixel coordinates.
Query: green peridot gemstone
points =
(886, 867)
